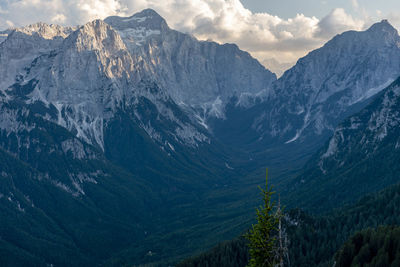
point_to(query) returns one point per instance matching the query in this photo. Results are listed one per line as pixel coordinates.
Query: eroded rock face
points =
(365, 133)
(195, 73)
(89, 73)
(318, 92)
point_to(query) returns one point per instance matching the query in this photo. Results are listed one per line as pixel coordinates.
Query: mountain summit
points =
(330, 83)
(137, 28)
(148, 19)
(199, 74)
(383, 27)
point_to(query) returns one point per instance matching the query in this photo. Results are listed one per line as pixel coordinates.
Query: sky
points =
(276, 32)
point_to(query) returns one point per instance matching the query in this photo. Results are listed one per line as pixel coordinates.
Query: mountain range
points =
(124, 141)
(322, 89)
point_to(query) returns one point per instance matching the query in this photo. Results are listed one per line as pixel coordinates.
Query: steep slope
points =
(82, 78)
(121, 163)
(89, 77)
(324, 86)
(310, 99)
(62, 202)
(101, 207)
(24, 221)
(22, 45)
(361, 157)
(199, 74)
(4, 35)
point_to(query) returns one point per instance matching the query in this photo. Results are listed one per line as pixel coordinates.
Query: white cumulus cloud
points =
(336, 22)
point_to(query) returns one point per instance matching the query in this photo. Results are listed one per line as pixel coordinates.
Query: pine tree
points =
(261, 236)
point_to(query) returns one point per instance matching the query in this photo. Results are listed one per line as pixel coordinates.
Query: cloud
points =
(9, 23)
(394, 18)
(267, 37)
(67, 12)
(355, 4)
(337, 21)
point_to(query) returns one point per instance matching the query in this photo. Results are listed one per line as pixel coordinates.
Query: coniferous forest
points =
(371, 247)
(317, 240)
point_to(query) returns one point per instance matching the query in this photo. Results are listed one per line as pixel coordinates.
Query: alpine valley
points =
(125, 142)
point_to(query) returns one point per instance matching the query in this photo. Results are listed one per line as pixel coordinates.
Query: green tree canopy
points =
(261, 236)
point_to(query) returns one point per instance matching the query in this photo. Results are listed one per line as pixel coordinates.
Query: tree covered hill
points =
(371, 247)
(314, 240)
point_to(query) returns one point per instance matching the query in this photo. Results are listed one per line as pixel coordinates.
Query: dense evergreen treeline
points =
(370, 247)
(227, 254)
(314, 240)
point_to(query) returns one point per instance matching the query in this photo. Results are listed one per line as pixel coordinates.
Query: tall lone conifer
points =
(261, 236)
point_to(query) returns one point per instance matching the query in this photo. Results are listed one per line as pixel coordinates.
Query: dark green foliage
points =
(227, 254)
(261, 235)
(314, 240)
(49, 218)
(371, 247)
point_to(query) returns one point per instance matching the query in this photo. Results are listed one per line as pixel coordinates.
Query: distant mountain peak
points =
(95, 27)
(137, 28)
(147, 19)
(385, 21)
(148, 12)
(341, 75)
(46, 31)
(96, 34)
(204, 75)
(383, 27)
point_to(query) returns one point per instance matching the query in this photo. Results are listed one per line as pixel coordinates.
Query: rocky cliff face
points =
(197, 74)
(326, 85)
(90, 72)
(22, 45)
(365, 134)
(361, 157)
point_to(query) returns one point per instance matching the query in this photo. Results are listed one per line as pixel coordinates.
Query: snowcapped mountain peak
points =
(147, 18)
(135, 30)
